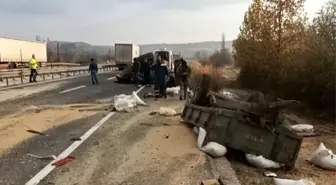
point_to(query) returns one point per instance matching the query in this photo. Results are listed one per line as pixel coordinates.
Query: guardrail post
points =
(43, 76)
(7, 81)
(21, 78)
(52, 75)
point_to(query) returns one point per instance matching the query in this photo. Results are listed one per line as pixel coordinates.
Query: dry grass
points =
(221, 76)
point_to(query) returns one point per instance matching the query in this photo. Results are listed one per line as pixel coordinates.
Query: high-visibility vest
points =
(33, 64)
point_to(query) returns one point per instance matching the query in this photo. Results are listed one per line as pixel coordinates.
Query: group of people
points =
(182, 73)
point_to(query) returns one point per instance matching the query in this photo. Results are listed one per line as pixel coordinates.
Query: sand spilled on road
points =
(13, 128)
(168, 150)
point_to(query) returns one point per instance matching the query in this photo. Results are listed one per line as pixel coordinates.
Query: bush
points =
(218, 81)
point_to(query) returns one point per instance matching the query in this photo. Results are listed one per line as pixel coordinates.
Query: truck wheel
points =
(121, 68)
(201, 91)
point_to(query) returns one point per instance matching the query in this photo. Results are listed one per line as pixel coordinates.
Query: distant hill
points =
(79, 51)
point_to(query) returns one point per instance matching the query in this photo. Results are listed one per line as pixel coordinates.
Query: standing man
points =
(33, 69)
(161, 73)
(184, 79)
(146, 71)
(93, 68)
(135, 70)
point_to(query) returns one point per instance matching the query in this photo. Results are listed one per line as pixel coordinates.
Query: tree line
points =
(280, 51)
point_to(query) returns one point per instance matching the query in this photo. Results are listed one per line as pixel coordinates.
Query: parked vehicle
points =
(17, 53)
(125, 53)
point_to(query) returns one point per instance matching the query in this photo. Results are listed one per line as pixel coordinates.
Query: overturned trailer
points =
(243, 125)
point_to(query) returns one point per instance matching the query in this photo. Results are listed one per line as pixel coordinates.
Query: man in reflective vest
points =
(33, 69)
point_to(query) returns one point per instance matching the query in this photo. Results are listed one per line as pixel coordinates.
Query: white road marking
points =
(72, 89)
(140, 89)
(47, 169)
(111, 78)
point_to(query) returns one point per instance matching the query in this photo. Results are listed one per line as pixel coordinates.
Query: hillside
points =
(80, 51)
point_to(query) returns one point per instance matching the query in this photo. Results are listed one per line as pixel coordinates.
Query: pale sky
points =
(104, 22)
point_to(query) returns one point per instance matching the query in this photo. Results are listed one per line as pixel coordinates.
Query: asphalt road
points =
(15, 166)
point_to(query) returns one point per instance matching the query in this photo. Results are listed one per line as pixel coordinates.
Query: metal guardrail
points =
(53, 74)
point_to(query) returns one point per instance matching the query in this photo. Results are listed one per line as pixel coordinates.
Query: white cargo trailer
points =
(125, 53)
(16, 50)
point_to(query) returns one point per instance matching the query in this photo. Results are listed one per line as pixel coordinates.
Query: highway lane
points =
(15, 166)
(51, 96)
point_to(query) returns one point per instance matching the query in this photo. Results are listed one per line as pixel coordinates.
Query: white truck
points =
(166, 55)
(125, 53)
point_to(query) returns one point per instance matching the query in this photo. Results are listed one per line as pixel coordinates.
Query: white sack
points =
(261, 162)
(323, 158)
(201, 137)
(195, 129)
(174, 90)
(137, 99)
(214, 149)
(292, 182)
(167, 111)
(302, 128)
(124, 104)
(122, 96)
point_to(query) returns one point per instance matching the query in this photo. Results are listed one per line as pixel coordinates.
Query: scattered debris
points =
(302, 128)
(167, 111)
(212, 148)
(201, 137)
(260, 162)
(75, 139)
(324, 158)
(153, 113)
(166, 136)
(308, 134)
(49, 157)
(292, 182)
(147, 124)
(63, 161)
(37, 132)
(96, 143)
(127, 103)
(212, 182)
(173, 90)
(270, 174)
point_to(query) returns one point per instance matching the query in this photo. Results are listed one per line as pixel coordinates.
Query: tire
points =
(201, 91)
(121, 68)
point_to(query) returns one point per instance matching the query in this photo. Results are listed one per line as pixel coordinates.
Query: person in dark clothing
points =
(161, 73)
(184, 73)
(135, 70)
(146, 71)
(93, 68)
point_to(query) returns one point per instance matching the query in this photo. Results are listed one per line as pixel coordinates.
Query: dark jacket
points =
(93, 67)
(161, 72)
(145, 67)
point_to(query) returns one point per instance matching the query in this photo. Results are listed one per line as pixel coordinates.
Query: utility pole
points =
(58, 55)
(223, 42)
(110, 55)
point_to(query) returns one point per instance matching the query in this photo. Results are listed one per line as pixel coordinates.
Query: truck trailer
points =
(125, 53)
(16, 52)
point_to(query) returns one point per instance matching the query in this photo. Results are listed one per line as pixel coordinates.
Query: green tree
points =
(270, 34)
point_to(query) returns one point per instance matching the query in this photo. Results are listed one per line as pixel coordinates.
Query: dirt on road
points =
(139, 148)
(13, 128)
